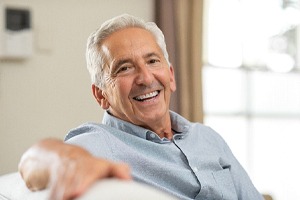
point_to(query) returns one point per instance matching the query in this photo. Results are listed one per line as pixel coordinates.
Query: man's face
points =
(139, 81)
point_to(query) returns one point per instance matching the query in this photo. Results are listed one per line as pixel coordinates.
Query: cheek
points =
(165, 78)
(121, 89)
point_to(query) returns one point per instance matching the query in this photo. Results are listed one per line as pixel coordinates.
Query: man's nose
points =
(144, 76)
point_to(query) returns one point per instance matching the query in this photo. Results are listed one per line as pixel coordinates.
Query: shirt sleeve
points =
(92, 137)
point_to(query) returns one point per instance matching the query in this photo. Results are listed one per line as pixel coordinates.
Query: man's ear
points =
(172, 79)
(101, 99)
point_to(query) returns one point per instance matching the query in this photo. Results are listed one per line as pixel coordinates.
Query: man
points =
(132, 80)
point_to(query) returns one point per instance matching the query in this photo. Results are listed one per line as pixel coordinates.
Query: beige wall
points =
(49, 93)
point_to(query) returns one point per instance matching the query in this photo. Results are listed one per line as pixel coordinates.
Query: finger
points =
(103, 169)
(35, 176)
(87, 172)
(62, 180)
(57, 186)
(121, 171)
(75, 177)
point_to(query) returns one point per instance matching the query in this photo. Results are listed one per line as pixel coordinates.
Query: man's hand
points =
(67, 170)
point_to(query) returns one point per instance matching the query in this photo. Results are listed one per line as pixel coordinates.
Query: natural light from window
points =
(251, 85)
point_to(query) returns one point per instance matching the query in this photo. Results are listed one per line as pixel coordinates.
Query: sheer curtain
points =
(181, 22)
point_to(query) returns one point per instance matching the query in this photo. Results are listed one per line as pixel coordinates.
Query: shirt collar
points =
(179, 126)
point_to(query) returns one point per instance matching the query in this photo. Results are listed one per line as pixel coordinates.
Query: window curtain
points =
(181, 22)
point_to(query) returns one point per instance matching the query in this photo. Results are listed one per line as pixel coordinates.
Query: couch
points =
(12, 187)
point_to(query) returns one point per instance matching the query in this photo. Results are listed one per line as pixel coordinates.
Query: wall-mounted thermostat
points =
(16, 39)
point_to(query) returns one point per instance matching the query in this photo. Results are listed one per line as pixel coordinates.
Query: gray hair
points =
(96, 59)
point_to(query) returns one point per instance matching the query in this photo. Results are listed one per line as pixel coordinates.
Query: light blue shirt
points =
(196, 164)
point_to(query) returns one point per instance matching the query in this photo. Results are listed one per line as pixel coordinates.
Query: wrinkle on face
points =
(108, 77)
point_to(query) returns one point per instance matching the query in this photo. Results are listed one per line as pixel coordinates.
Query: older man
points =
(132, 80)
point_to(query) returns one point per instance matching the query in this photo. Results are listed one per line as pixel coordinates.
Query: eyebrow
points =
(121, 62)
(148, 55)
(128, 60)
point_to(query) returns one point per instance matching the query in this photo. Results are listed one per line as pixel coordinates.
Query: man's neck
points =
(162, 128)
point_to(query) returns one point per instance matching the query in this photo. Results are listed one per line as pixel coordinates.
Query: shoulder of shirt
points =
(207, 132)
(88, 128)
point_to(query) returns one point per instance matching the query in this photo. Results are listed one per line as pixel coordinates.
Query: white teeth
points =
(146, 96)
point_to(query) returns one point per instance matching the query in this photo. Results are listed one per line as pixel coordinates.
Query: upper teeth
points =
(146, 96)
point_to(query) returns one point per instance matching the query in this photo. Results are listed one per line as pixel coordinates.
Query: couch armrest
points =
(12, 187)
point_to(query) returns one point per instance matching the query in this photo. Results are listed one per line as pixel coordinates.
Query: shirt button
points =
(178, 137)
(152, 135)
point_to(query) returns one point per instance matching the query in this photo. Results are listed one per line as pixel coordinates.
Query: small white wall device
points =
(15, 33)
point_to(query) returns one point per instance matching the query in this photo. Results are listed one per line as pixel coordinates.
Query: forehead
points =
(130, 41)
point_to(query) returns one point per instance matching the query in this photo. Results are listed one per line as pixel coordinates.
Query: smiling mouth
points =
(148, 96)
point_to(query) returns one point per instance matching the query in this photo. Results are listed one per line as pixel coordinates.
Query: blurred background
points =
(247, 79)
(252, 87)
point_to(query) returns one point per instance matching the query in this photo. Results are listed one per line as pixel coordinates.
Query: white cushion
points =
(12, 187)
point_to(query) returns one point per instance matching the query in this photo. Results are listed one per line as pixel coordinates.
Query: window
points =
(251, 85)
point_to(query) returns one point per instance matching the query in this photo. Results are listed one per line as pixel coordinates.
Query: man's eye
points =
(152, 61)
(122, 69)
